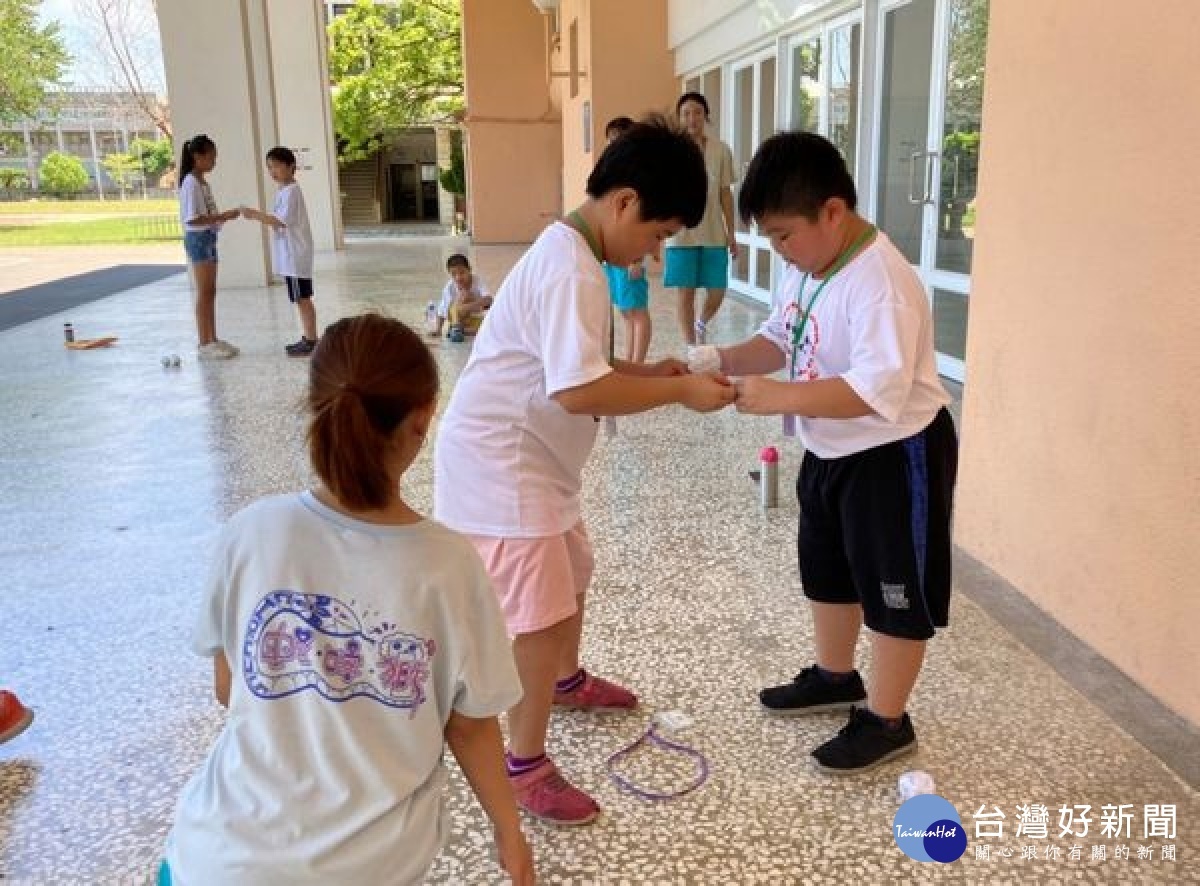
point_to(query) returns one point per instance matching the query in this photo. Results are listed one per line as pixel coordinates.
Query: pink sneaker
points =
(14, 716)
(546, 795)
(597, 694)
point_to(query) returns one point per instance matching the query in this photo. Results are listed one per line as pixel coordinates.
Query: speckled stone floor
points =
(115, 475)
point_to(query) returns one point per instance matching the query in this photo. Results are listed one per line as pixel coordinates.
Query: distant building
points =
(88, 125)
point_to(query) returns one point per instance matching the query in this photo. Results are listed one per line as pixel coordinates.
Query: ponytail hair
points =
(367, 375)
(197, 144)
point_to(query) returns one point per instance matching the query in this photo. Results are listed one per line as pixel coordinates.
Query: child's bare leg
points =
(712, 303)
(895, 666)
(630, 340)
(205, 274)
(308, 318)
(569, 663)
(538, 656)
(639, 321)
(836, 627)
(687, 315)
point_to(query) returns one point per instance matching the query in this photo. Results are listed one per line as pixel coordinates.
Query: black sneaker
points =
(810, 693)
(302, 348)
(864, 743)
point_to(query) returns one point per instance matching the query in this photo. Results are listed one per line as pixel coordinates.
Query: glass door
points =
(753, 120)
(927, 132)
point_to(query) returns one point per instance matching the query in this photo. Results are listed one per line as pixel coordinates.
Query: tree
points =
(13, 179)
(454, 177)
(62, 174)
(156, 156)
(33, 58)
(392, 66)
(124, 169)
(125, 51)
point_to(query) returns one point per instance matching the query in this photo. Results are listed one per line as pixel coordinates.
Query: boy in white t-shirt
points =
(291, 245)
(521, 423)
(851, 323)
(465, 300)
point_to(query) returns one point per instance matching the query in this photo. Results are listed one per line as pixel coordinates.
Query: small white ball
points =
(166, 362)
(915, 782)
(175, 361)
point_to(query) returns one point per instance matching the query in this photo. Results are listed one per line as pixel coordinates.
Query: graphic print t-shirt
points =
(350, 644)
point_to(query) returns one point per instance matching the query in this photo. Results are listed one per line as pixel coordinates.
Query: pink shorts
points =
(538, 581)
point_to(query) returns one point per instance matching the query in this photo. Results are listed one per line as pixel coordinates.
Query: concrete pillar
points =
(251, 74)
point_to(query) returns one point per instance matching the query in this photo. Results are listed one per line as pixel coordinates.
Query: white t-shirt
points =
(509, 460)
(450, 292)
(350, 644)
(195, 200)
(872, 327)
(291, 246)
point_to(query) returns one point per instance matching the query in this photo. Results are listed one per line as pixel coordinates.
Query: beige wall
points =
(1080, 477)
(629, 71)
(514, 152)
(526, 145)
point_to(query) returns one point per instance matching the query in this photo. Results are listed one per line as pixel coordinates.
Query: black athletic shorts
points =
(298, 288)
(875, 529)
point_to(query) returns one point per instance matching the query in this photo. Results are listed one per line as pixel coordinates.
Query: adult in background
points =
(697, 257)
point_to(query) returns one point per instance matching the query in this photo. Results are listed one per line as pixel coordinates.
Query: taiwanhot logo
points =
(928, 828)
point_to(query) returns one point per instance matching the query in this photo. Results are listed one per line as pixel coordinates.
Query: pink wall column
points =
(1080, 475)
(514, 151)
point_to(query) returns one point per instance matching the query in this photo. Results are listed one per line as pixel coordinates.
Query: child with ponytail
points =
(352, 639)
(201, 222)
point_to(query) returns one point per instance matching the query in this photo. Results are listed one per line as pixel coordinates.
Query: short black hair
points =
(696, 97)
(282, 155)
(619, 125)
(794, 173)
(663, 164)
(458, 260)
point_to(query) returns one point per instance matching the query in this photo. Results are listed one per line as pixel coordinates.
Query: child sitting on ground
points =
(465, 298)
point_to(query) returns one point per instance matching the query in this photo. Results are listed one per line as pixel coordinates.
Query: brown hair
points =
(367, 374)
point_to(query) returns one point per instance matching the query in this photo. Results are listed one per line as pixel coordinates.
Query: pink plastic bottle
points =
(768, 477)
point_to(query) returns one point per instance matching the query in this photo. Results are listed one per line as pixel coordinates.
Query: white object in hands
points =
(703, 358)
(914, 783)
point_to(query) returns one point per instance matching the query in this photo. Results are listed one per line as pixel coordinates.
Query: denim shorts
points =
(697, 267)
(200, 246)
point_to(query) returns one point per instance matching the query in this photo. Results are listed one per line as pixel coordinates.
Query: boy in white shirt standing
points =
(851, 323)
(522, 420)
(291, 245)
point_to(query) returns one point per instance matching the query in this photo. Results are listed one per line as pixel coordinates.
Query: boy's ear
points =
(624, 198)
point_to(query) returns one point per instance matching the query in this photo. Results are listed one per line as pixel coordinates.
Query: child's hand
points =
(707, 393)
(230, 214)
(666, 368)
(517, 859)
(757, 395)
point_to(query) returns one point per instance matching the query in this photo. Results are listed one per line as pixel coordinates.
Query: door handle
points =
(930, 156)
(912, 179)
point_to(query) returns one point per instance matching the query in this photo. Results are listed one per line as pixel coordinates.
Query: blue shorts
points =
(627, 294)
(200, 246)
(697, 267)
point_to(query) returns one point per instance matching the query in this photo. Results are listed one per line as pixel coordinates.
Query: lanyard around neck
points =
(577, 221)
(841, 262)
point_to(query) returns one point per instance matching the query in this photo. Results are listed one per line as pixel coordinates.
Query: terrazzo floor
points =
(116, 474)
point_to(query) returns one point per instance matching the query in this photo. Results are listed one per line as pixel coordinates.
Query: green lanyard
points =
(577, 221)
(842, 260)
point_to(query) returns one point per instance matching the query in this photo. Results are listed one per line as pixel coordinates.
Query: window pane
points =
(806, 85)
(950, 323)
(844, 49)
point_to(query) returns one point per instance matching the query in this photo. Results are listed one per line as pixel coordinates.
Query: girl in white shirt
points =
(201, 222)
(352, 640)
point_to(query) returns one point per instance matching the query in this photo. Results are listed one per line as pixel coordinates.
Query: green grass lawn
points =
(72, 207)
(119, 229)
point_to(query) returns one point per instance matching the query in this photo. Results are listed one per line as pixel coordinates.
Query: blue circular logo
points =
(928, 828)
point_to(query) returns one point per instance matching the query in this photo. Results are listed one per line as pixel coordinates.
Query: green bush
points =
(62, 174)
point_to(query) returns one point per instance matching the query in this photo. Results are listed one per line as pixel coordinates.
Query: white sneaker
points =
(230, 350)
(213, 351)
